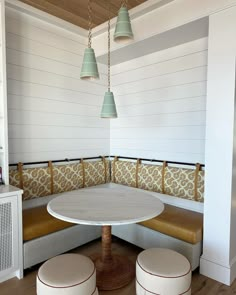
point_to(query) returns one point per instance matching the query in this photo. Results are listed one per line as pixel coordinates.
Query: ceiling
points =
(76, 12)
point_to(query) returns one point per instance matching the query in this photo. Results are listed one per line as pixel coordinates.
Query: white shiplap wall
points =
(52, 113)
(161, 103)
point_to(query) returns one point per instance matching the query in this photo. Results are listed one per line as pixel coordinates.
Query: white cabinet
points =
(3, 98)
(11, 260)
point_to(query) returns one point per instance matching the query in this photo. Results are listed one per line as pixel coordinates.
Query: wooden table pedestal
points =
(113, 271)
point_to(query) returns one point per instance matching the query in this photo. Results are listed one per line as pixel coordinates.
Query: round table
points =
(107, 207)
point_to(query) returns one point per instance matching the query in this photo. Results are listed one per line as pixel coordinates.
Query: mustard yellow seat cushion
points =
(38, 222)
(179, 223)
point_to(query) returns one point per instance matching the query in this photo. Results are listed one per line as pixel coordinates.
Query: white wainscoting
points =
(52, 113)
(161, 103)
(161, 98)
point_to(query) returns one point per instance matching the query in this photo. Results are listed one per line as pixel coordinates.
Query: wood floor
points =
(200, 284)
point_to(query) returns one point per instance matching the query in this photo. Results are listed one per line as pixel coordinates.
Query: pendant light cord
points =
(124, 3)
(109, 47)
(89, 24)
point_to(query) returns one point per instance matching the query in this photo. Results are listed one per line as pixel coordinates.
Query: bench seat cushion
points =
(38, 222)
(179, 223)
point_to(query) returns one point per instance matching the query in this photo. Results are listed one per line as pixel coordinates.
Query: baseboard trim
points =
(233, 270)
(218, 272)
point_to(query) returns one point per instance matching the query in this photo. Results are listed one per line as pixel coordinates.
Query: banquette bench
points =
(180, 229)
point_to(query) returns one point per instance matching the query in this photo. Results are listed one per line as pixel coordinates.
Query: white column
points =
(3, 98)
(219, 247)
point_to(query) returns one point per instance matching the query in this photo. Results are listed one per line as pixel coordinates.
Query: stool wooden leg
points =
(113, 271)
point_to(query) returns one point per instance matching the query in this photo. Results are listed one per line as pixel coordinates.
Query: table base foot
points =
(113, 273)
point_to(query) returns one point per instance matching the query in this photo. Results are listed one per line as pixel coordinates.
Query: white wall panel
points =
(23, 88)
(179, 64)
(36, 131)
(162, 119)
(55, 145)
(29, 30)
(41, 156)
(52, 113)
(20, 73)
(152, 154)
(161, 102)
(43, 21)
(161, 145)
(32, 61)
(147, 132)
(162, 56)
(24, 44)
(164, 107)
(51, 106)
(164, 94)
(48, 118)
(168, 80)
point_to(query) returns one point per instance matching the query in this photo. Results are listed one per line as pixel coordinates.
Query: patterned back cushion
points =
(67, 177)
(200, 186)
(124, 173)
(95, 173)
(108, 171)
(178, 182)
(150, 177)
(37, 182)
(14, 178)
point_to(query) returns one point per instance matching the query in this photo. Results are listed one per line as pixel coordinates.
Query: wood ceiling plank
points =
(76, 12)
(101, 8)
(58, 12)
(116, 3)
(79, 9)
(134, 3)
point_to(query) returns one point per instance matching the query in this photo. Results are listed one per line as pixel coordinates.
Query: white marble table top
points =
(105, 206)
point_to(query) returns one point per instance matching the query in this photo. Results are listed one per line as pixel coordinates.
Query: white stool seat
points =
(162, 271)
(67, 274)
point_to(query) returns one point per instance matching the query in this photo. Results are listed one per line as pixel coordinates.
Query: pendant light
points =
(109, 106)
(89, 70)
(123, 30)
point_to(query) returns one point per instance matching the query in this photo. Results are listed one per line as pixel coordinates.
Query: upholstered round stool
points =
(67, 274)
(162, 271)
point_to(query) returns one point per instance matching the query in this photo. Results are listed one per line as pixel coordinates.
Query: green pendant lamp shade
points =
(123, 30)
(109, 106)
(89, 68)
